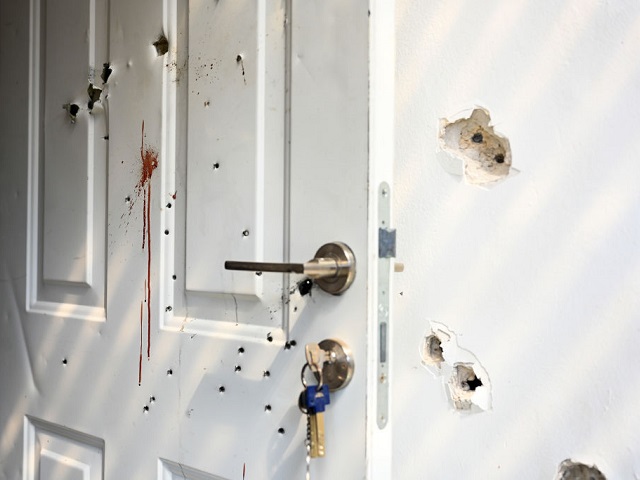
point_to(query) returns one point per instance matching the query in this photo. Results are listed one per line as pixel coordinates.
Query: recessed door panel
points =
(229, 183)
(68, 158)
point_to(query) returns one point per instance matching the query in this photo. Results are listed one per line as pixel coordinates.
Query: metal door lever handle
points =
(333, 267)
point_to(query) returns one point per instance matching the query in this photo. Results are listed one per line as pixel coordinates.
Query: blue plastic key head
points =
(316, 401)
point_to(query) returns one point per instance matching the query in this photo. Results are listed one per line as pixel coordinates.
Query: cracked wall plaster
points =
(474, 150)
(466, 381)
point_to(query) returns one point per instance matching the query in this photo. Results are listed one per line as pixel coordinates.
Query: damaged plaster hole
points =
(162, 45)
(432, 350)
(462, 385)
(465, 380)
(475, 150)
(570, 470)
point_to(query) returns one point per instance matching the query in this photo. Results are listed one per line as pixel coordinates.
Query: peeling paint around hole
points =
(570, 470)
(465, 380)
(484, 155)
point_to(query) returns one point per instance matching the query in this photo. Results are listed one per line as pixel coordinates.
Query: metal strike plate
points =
(338, 367)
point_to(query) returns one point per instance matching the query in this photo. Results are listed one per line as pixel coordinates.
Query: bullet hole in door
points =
(281, 431)
(106, 72)
(216, 166)
(221, 389)
(475, 150)
(169, 372)
(145, 409)
(240, 61)
(240, 350)
(94, 95)
(266, 373)
(162, 45)
(304, 287)
(72, 109)
(237, 368)
(267, 408)
(570, 470)
(245, 233)
(64, 361)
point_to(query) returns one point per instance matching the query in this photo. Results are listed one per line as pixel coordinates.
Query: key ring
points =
(304, 380)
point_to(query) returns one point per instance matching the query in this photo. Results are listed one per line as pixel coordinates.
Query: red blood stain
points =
(149, 162)
(174, 194)
(140, 361)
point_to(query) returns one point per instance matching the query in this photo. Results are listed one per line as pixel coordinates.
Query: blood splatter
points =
(149, 162)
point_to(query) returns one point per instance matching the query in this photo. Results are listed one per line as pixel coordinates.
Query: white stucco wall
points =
(540, 276)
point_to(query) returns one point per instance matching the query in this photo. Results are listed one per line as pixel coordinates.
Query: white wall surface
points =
(540, 276)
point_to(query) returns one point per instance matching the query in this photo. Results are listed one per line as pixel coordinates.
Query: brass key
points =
(316, 424)
(315, 400)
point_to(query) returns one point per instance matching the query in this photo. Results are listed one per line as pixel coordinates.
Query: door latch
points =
(333, 267)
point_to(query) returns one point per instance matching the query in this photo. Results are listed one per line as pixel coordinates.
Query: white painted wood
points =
(55, 452)
(193, 372)
(67, 160)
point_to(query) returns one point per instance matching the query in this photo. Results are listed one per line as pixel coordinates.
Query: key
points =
(316, 358)
(315, 402)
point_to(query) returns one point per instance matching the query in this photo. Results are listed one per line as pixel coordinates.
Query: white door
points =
(165, 138)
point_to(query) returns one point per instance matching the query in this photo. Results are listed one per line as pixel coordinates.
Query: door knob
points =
(333, 267)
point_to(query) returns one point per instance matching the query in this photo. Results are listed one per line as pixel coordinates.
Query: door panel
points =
(247, 139)
(70, 155)
(53, 451)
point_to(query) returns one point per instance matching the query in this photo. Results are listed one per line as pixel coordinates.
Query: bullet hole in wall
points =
(474, 150)
(570, 470)
(465, 380)
(432, 350)
(462, 385)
